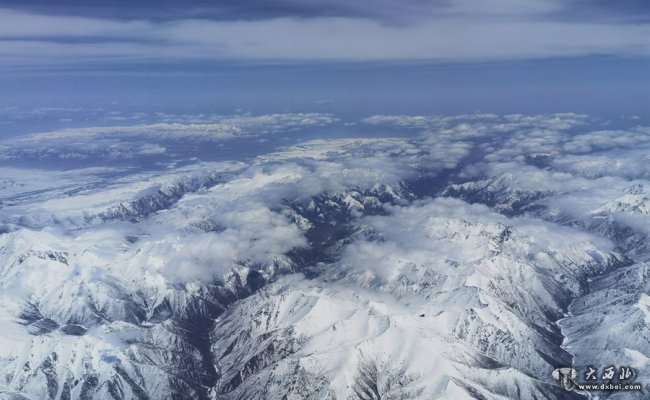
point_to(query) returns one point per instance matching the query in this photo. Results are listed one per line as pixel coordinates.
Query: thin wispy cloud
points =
(506, 30)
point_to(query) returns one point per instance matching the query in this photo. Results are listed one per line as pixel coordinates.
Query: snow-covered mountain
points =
(468, 260)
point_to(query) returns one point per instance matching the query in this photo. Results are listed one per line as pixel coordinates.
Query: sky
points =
(349, 58)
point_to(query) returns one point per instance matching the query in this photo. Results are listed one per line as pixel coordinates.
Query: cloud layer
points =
(505, 31)
(143, 140)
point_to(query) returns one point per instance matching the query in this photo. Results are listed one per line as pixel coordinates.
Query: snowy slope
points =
(463, 295)
(464, 261)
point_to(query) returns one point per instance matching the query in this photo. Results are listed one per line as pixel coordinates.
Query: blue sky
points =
(356, 58)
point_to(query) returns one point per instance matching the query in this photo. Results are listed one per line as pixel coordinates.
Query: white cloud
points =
(598, 140)
(222, 128)
(452, 238)
(629, 163)
(466, 126)
(151, 149)
(249, 233)
(488, 33)
(126, 141)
